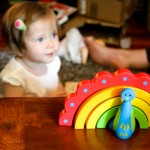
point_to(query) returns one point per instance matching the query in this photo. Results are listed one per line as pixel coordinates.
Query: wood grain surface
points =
(32, 124)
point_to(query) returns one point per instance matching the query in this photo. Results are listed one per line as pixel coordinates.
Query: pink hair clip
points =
(20, 25)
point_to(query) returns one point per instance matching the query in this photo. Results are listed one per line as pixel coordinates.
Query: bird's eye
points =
(130, 95)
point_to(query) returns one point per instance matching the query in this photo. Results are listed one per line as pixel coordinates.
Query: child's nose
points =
(50, 43)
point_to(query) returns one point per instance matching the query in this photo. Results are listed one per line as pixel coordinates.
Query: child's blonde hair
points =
(28, 12)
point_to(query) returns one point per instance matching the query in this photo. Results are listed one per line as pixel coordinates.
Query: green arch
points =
(139, 115)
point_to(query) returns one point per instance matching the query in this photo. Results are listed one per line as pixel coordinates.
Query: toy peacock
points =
(124, 121)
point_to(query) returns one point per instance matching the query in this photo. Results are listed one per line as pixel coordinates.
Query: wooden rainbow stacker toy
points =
(100, 100)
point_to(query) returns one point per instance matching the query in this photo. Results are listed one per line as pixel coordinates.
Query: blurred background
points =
(119, 23)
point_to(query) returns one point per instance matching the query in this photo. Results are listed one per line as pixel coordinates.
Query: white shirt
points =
(15, 74)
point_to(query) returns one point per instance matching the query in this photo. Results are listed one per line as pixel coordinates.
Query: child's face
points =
(41, 42)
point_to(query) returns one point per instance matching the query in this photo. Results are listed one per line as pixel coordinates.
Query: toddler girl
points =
(31, 32)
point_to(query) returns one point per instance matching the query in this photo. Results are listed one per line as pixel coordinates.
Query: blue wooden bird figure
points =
(124, 121)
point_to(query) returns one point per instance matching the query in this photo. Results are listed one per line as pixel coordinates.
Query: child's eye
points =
(53, 35)
(40, 39)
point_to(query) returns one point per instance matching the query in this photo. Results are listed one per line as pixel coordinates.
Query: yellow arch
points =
(95, 114)
(145, 107)
(105, 94)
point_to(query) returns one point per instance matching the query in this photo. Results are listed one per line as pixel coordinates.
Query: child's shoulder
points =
(11, 66)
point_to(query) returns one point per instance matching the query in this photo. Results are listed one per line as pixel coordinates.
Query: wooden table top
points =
(32, 124)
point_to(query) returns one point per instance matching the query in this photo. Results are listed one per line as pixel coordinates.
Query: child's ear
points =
(18, 53)
(16, 50)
